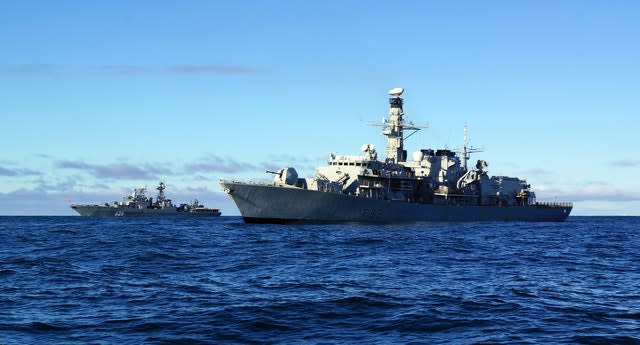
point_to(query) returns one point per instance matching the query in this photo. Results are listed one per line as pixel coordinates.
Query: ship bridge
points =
(339, 166)
(369, 155)
(346, 160)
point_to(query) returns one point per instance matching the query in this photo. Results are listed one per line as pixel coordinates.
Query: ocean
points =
(84, 280)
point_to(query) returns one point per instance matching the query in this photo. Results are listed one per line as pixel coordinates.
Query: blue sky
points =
(97, 98)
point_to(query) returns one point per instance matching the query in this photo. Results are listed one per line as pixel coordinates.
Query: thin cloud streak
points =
(122, 69)
(18, 172)
(116, 170)
(538, 171)
(227, 165)
(626, 163)
(212, 69)
(214, 163)
(590, 193)
(30, 69)
(132, 69)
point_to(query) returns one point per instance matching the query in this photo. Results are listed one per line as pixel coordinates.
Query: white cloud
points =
(214, 163)
(118, 170)
(18, 172)
(626, 163)
(590, 193)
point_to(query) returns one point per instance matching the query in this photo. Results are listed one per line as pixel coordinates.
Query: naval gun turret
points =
(287, 176)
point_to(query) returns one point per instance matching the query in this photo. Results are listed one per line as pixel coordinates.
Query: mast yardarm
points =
(394, 128)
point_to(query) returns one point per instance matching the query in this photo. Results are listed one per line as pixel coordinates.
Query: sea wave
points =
(79, 280)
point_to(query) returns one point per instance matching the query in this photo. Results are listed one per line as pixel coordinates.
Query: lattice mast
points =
(394, 128)
(467, 150)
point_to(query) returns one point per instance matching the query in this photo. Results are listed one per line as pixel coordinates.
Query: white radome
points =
(396, 91)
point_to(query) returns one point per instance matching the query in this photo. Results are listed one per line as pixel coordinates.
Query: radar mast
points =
(394, 128)
(466, 150)
(161, 187)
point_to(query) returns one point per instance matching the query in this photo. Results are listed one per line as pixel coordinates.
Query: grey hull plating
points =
(269, 203)
(107, 211)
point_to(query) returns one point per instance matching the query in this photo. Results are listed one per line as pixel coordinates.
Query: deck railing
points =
(554, 204)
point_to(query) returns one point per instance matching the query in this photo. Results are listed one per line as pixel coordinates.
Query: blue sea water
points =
(84, 280)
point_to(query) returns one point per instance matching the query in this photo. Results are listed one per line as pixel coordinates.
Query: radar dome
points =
(396, 91)
(367, 148)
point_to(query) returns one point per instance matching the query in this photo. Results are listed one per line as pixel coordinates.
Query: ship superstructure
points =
(431, 185)
(138, 204)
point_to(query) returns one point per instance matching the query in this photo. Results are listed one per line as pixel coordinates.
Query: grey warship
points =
(434, 185)
(139, 204)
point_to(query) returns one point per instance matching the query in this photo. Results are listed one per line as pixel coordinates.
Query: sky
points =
(100, 97)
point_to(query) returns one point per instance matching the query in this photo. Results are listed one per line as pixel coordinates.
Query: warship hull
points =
(268, 203)
(108, 211)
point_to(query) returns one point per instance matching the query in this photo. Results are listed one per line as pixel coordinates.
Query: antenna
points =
(466, 150)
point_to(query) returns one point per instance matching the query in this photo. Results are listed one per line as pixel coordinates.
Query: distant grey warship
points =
(435, 185)
(139, 204)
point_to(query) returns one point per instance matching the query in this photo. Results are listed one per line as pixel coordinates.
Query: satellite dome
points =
(396, 91)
